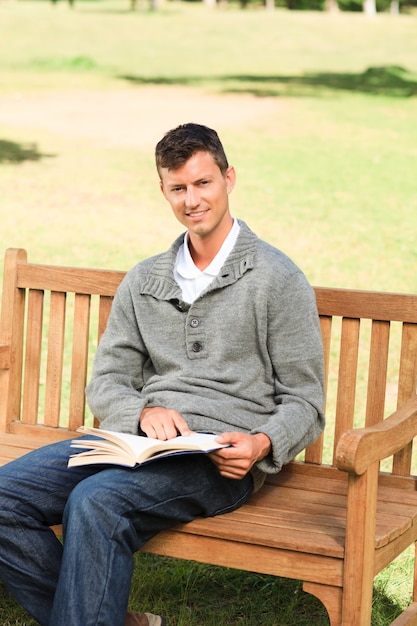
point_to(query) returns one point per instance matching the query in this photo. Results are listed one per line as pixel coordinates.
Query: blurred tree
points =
(369, 7)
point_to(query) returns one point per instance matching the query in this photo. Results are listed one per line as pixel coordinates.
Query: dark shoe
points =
(144, 619)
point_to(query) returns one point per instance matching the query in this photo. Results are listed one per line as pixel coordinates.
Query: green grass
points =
(193, 594)
(326, 171)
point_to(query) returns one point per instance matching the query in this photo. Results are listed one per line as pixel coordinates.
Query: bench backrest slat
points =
(79, 365)
(347, 377)
(69, 279)
(55, 358)
(33, 355)
(314, 453)
(378, 368)
(367, 304)
(402, 461)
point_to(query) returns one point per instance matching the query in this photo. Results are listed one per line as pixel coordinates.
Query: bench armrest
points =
(4, 356)
(360, 447)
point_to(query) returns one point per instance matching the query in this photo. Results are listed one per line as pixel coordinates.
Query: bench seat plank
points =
(294, 523)
(246, 556)
(13, 446)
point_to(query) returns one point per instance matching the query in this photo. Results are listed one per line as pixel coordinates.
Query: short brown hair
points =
(181, 143)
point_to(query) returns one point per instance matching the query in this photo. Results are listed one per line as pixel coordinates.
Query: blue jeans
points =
(107, 514)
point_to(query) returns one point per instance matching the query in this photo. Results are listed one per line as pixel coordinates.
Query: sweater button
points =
(194, 323)
(197, 347)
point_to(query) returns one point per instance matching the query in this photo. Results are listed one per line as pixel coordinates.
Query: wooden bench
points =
(332, 518)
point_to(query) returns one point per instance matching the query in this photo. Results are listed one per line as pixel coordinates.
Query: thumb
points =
(227, 438)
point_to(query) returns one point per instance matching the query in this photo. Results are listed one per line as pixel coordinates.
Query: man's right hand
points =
(160, 423)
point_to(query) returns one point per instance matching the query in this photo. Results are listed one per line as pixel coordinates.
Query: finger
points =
(231, 454)
(234, 474)
(159, 427)
(181, 425)
(229, 438)
(161, 423)
(154, 430)
(166, 428)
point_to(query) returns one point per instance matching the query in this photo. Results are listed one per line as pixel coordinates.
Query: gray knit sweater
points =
(245, 356)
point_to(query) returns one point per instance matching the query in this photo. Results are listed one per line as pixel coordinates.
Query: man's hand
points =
(160, 423)
(245, 451)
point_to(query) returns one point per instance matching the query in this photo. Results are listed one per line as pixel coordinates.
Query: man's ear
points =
(230, 178)
(161, 187)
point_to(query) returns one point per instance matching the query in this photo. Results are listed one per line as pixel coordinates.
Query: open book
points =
(130, 450)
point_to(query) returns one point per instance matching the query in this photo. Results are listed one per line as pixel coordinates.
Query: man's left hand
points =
(244, 451)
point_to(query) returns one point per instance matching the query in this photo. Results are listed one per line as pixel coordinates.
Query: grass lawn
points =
(326, 161)
(317, 113)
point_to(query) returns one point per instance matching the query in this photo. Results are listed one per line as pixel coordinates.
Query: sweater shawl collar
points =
(160, 281)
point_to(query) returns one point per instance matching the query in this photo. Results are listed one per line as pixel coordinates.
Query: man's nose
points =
(192, 198)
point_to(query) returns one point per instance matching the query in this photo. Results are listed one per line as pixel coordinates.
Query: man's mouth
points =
(196, 214)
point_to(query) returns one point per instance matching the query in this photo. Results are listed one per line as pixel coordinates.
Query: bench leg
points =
(331, 597)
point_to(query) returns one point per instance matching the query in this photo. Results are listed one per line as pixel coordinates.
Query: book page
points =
(136, 448)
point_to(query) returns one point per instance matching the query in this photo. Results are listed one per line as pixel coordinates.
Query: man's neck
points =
(204, 249)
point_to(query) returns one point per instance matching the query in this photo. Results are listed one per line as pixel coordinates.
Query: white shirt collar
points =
(185, 265)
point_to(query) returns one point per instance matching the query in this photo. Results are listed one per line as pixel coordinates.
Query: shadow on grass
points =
(15, 153)
(384, 608)
(390, 80)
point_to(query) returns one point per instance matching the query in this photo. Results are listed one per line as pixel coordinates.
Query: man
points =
(220, 334)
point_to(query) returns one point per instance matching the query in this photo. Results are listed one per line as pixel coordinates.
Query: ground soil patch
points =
(130, 117)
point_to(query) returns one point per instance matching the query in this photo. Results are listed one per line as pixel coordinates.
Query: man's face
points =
(199, 195)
